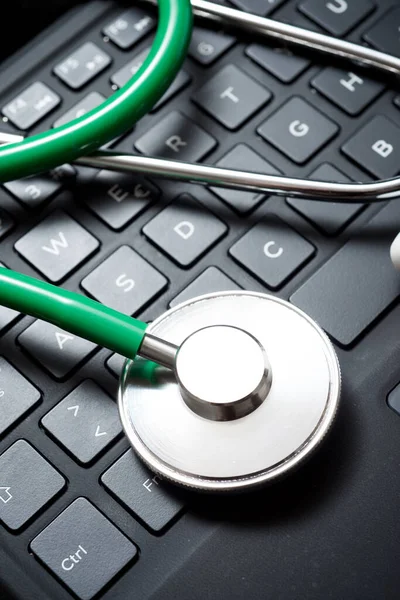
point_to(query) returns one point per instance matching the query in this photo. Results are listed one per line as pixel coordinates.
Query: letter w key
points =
(56, 246)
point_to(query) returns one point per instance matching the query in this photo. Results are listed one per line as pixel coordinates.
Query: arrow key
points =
(85, 423)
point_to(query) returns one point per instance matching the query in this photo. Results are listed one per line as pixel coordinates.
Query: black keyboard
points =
(80, 515)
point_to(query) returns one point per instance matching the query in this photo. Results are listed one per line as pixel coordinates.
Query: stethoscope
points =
(230, 390)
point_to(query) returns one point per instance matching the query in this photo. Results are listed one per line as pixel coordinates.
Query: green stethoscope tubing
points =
(70, 311)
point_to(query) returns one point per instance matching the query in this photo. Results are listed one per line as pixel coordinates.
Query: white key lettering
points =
(62, 338)
(272, 253)
(117, 193)
(228, 93)
(185, 229)
(383, 148)
(33, 191)
(337, 6)
(175, 142)
(56, 244)
(349, 83)
(298, 129)
(124, 282)
(73, 559)
(149, 482)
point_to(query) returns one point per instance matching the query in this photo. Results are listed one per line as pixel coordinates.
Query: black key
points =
(176, 137)
(82, 65)
(122, 76)
(141, 492)
(298, 130)
(17, 395)
(118, 198)
(181, 81)
(89, 102)
(130, 27)
(83, 549)
(6, 223)
(185, 230)
(329, 217)
(207, 46)
(272, 251)
(86, 422)
(279, 62)
(243, 158)
(125, 281)
(56, 246)
(27, 483)
(347, 90)
(34, 191)
(231, 97)
(31, 105)
(211, 280)
(258, 7)
(376, 147)
(115, 364)
(58, 351)
(357, 284)
(384, 35)
(337, 16)
(394, 399)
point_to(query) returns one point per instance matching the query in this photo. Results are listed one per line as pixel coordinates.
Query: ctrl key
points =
(83, 548)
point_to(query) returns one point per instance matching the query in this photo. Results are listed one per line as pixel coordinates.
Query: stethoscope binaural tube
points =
(83, 316)
(118, 113)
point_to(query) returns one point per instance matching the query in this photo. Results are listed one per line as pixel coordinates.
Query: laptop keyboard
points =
(141, 246)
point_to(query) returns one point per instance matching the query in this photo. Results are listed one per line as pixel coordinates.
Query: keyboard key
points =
(244, 158)
(58, 351)
(176, 137)
(6, 223)
(115, 364)
(258, 7)
(142, 492)
(357, 284)
(328, 217)
(384, 35)
(31, 105)
(125, 281)
(83, 549)
(279, 62)
(337, 16)
(27, 483)
(56, 246)
(130, 27)
(88, 103)
(348, 91)
(123, 75)
(207, 46)
(82, 65)
(298, 130)
(272, 252)
(185, 231)
(17, 395)
(376, 148)
(85, 422)
(394, 399)
(211, 280)
(231, 97)
(34, 191)
(181, 81)
(118, 198)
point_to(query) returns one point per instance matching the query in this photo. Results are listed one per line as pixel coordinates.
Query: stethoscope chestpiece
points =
(255, 389)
